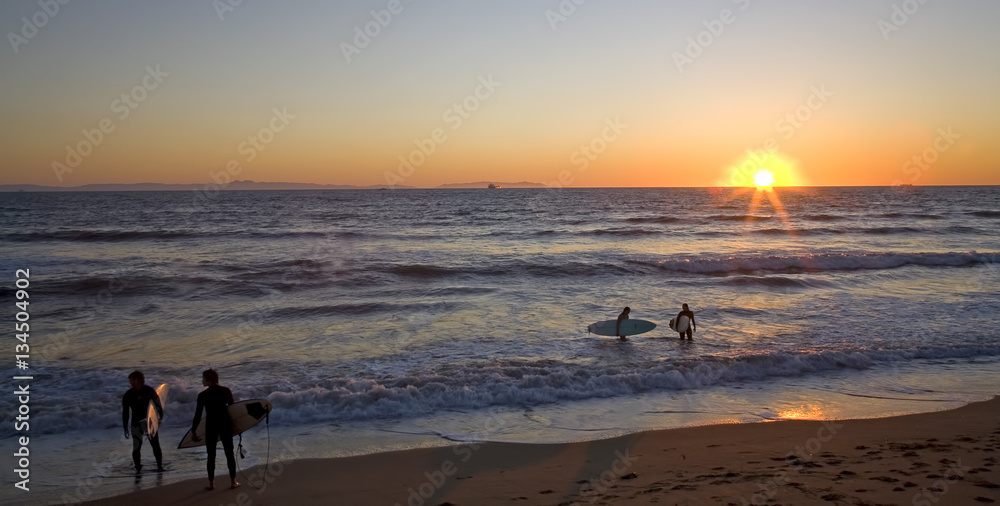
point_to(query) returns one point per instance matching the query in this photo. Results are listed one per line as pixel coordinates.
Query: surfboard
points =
(153, 419)
(629, 327)
(679, 326)
(244, 414)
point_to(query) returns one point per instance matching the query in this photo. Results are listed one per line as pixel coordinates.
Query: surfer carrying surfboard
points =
(623, 316)
(215, 399)
(684, 322)
(137, 400)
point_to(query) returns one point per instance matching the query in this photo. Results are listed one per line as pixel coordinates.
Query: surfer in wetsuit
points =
(691, 326)
(215, 400)
(618, 324)
(136, 400)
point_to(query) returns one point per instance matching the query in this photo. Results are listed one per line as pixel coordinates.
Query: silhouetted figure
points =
(218, 426)
(618, 324)
(136, 400)
(690, 326)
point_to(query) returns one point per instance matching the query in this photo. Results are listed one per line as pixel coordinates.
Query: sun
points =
(762, 169)
(763, 178)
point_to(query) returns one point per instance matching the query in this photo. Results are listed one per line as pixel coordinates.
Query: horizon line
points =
(443, 186)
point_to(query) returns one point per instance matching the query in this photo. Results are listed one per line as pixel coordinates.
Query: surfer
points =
(215, 399)
(136, 400)
(618, 324)
(690, 315)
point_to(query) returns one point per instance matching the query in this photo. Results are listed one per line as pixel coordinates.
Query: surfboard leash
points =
(267, 459)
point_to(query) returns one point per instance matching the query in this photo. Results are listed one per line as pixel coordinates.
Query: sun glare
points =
(763, 179)
(762, 169)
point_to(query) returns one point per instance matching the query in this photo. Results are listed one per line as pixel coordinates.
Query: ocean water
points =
(379, 320)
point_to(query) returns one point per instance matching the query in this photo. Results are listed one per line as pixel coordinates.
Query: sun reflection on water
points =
(809, 412)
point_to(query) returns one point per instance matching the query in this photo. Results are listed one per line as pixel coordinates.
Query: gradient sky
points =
(868, 99)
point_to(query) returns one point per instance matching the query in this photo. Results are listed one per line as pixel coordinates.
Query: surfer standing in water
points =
(618, 324)
(691, 326)
(218, 426)
(136, 400)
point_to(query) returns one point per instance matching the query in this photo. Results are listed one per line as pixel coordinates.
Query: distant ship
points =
(494, 186)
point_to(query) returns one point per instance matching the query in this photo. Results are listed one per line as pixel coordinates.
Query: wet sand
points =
(946, 457)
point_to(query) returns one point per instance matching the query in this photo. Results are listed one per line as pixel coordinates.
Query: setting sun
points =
(763, 179)
(762, 169)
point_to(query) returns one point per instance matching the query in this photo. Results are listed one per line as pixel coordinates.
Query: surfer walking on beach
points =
(215, 399)
(136, 400)
(690, 327)
(618, 324)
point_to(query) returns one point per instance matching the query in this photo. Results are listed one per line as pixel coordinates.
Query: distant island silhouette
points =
(237, 186)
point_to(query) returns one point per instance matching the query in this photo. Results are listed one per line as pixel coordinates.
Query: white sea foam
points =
(475, 386)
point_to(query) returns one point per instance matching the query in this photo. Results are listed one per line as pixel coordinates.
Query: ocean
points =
(377, 320)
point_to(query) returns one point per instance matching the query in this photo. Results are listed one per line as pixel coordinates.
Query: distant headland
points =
(237, 186)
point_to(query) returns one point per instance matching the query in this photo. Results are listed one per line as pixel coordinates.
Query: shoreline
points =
(908, 459)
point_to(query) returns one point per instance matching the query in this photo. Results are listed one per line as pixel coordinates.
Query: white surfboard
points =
(153, 418)
(679, 324)
(244, 414)
(628, 327)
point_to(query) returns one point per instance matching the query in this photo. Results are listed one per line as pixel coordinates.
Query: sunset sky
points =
(624, 93)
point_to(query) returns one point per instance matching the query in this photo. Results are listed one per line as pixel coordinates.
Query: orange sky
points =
(632, 94)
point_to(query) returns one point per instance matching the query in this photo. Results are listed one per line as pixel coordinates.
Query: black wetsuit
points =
(218, 426)
(690, 329)
(618, 326)
(137, 401)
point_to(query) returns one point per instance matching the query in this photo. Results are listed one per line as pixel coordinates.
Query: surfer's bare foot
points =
(211, 486)
(235, 484)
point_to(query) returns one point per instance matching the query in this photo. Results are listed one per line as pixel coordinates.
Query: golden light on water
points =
(763, 171)
(810, 412)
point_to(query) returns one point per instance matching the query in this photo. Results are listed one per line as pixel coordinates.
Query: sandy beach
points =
(947, 457)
